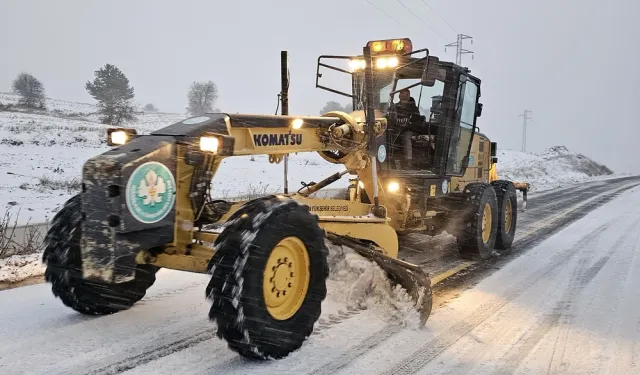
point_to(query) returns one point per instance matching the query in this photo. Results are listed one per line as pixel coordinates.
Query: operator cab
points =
(431, 137)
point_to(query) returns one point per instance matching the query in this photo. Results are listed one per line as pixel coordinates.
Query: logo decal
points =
(150, 192)
(382, 153)
(277, 139)
(445, 186)
(195, 120)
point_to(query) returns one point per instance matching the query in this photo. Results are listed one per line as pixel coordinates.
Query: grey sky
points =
(568, 61)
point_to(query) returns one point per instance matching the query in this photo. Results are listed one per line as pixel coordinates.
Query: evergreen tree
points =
(114, 95)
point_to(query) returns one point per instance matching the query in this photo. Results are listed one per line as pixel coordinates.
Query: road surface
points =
(565, 301)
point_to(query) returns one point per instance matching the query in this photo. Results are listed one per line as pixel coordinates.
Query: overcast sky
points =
(570, 62)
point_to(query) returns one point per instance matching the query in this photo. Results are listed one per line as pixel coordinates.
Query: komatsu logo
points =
(277, 139)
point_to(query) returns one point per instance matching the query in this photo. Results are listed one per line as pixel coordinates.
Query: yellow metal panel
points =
(179, 262)
(382, 235)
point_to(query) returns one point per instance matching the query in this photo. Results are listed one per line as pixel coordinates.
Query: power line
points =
(525, 117)
(442, 18)
(429, 26)
(459, 50)
(393, 19)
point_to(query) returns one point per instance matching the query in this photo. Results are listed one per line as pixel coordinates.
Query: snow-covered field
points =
(41, 156)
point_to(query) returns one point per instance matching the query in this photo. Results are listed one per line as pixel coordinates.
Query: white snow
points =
(550, 169)
(568, 306)
(360, 283)
(20, 267)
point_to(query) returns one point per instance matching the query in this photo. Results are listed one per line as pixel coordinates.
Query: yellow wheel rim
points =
(508, 216)
(486, 223)
(286, 278)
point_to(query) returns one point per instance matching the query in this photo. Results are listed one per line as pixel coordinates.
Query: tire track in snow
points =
(364, 346)
(529, 240)
(115, 364)
(426, 352)
(582, 276)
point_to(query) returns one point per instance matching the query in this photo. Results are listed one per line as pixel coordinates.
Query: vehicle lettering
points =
(330, 208)
(277, 139)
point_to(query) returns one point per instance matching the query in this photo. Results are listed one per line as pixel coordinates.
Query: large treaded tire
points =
(63, 261)
(469, 236)
(237, 271)
(506, 193)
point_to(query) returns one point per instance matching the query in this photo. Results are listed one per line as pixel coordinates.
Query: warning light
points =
(398, 46)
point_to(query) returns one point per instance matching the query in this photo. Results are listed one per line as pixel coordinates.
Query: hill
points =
(555, 167)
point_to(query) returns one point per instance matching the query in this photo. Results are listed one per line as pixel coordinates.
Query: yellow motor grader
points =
(146, 204)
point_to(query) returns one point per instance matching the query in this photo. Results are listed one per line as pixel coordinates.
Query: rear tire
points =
(508, 206)
(243, 280)
(63, 259)
(477, 234)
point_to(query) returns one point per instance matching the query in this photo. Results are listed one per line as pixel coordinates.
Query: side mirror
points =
(430, 72)
(479, 109)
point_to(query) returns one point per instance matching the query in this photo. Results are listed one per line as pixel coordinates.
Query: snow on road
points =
(569, 306)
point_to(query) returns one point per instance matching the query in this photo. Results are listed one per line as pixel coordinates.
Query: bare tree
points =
(30, 90)
(202, 96)
(335, 106)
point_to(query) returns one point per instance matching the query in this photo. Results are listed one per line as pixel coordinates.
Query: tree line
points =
(112, 90)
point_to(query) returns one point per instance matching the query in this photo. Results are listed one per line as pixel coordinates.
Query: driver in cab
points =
(405, 109)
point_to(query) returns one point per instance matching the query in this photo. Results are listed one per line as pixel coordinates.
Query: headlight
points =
(120, 136)
(387, 62)
(297, 123)
(393, 187)
(209, 144)
(356, 64)
(392, 62)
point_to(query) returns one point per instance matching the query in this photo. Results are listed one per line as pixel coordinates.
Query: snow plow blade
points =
(411, 277)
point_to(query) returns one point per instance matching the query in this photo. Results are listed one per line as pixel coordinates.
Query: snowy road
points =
(568, 304)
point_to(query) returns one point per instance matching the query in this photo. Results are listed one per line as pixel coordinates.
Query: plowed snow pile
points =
(557, 166)
(361, 284)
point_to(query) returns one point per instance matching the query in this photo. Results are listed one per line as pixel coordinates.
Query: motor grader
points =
(146, 204)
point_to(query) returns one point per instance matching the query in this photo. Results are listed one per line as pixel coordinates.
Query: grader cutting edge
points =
(146, 203)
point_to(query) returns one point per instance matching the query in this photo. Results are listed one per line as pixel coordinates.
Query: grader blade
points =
(411, 277)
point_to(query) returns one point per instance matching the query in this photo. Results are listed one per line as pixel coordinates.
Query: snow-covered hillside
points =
(556, 166)
(41, 155)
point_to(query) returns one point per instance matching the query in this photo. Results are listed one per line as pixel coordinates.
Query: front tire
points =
(268, 278)
(63, 261)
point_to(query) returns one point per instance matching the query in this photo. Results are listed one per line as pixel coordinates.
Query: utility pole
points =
(459, 50)
(525, 117)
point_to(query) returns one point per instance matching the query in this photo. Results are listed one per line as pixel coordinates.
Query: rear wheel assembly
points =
(508, 213)
(479, 221)
(268, 278)
(64, 269)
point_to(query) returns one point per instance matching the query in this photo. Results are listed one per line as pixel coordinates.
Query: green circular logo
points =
(150, 192)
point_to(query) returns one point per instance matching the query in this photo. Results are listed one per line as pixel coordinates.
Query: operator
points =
(405, 108)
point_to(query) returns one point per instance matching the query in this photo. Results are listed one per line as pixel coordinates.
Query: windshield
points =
(423, 95)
